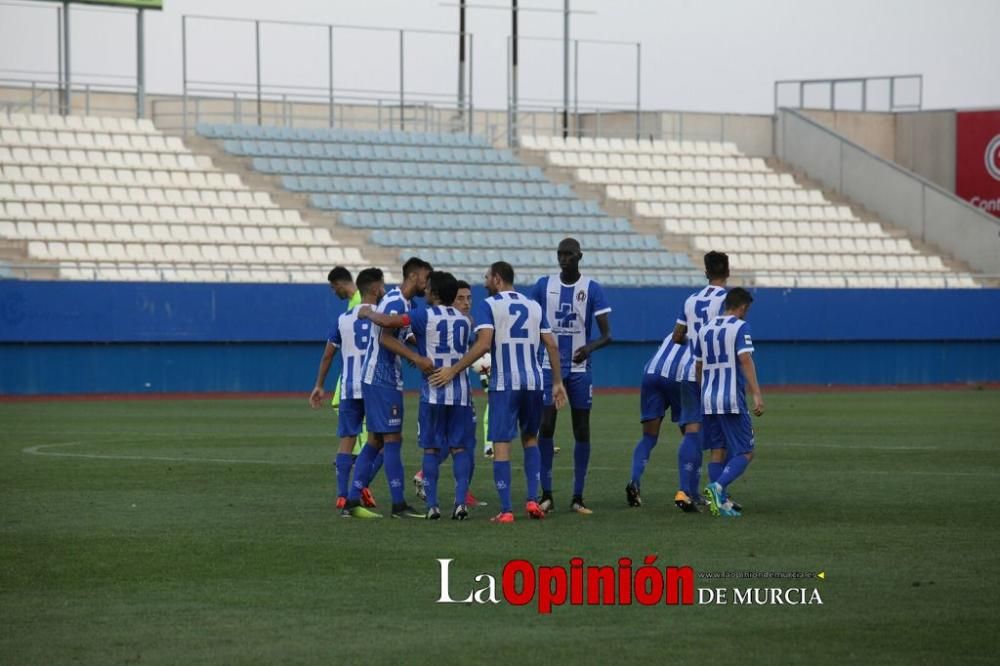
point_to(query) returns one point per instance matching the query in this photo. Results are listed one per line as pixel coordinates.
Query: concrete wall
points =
(925, 144)
(875, 131)
(920, 141)
(753, 134)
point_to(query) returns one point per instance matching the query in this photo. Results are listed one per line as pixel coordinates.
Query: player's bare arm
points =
(697, 371)
(680, 333)
(388, 341)
(385, 320)
(443, 376)
(750, 372)
(604, 327)
(316, 397)
(558, 390)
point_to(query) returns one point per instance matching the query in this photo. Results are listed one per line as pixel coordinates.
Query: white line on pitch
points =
(37, 451)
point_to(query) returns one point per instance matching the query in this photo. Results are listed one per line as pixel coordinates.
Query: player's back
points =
(381, 366)
(517, 322)
(442, 334)
(675, 361)
(719, 345)
(351, 337)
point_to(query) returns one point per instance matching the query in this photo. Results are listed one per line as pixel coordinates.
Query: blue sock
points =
(733, 469)
(714, 470)
(376, 465)
(432, 463)
(640, 456)
(343, 465)
(362, 469)
(532, 464)
(394, 470)
(461, 464)
(694, 480)
(471, 452)
(689, 460)
(443, 455)
(546, 451)
(581, 460)
(501, 476)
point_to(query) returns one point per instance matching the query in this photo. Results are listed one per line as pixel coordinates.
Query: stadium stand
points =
(452, 199)
(710, 196)
(114, 199)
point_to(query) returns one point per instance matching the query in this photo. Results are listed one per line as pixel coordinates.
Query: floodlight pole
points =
(461, 57)
(565, 114)
(184, 74)
(59, 58)
(330, 81)
(260, 110)
(140, 65)
(68, 96)
(402, 93)
(576, 84)
(512, 112)
(638, 90)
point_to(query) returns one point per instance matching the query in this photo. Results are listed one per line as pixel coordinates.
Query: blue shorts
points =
(350, 417)
(384, 408)
(514, 413)
(579, 389)
(444, 426)
(658, 394)
(732, 431)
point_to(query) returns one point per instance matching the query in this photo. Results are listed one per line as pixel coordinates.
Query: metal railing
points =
(28, 95)
(261, 93)
(865, 82)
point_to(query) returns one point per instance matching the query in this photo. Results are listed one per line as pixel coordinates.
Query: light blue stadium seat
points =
(683, 261)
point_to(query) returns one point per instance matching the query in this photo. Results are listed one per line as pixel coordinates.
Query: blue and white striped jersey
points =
(718, 346)
(518, 323)
(350, 336)
(442, 334)
(570, 309)
(674, 361)
(382, 367)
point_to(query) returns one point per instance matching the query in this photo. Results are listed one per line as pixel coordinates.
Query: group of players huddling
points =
(536, 351)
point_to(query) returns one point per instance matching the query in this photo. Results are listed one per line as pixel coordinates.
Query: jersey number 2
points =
(517, 329)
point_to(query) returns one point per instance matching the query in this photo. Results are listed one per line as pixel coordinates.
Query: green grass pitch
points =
(147, 546)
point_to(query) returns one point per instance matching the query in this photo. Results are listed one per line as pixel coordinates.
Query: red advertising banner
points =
(977, 159)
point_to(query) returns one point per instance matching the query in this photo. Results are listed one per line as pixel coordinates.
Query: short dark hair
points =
(444, 285)
(503, 270)
(716, 265)
(414, 264)
(462, 284)
(369, 277)
(339, 274)
(737, 297)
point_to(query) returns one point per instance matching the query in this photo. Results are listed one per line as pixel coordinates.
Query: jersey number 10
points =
(460, 337)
